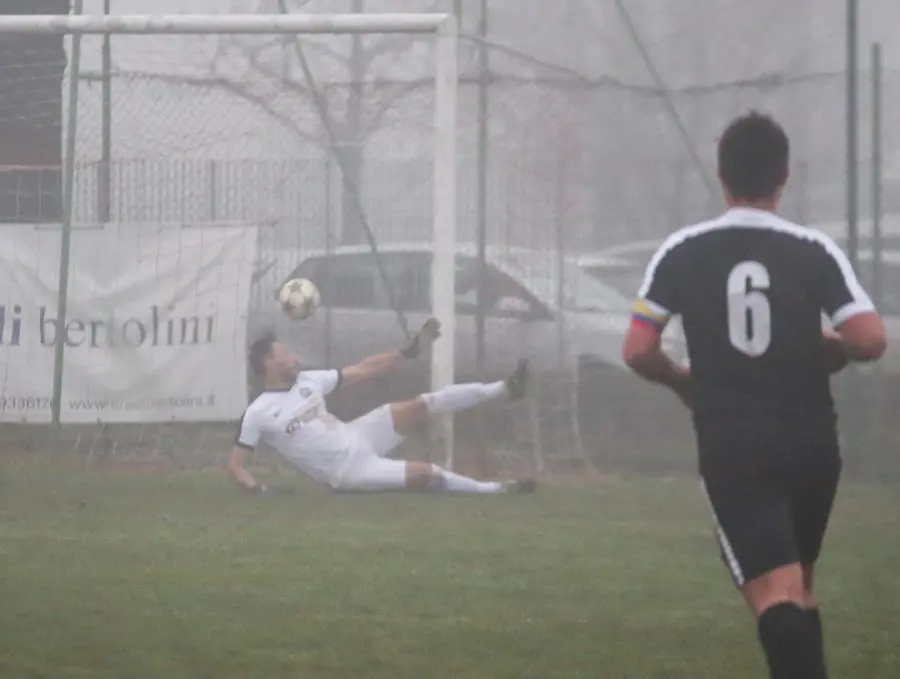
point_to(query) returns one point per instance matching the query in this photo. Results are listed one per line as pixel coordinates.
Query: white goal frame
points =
(442, 26)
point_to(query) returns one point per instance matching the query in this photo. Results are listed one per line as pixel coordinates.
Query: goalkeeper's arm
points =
(239, 474)
(378, 364)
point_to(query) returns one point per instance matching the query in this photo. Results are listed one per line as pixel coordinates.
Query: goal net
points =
(160, 177)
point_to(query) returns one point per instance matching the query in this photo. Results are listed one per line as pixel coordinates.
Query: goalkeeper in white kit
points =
(291, 416)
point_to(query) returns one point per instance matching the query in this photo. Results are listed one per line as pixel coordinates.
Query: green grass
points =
(136, 577)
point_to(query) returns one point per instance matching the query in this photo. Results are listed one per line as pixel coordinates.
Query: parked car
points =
(528, 312)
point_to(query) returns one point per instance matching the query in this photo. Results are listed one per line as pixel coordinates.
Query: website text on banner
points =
(156, 328)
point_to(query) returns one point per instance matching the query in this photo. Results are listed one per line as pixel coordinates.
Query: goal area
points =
(176, 170)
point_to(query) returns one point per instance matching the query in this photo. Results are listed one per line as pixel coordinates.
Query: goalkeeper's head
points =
(273, 362)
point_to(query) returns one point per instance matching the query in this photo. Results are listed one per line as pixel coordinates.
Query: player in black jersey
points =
(751, 288)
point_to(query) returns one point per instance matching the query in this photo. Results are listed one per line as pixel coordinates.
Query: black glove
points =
(423, 340)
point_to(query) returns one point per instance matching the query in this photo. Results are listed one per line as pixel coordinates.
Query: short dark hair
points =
(754, 152)
(259, 351)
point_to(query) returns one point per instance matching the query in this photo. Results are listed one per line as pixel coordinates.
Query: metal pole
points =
(877, 155)
(856, 423)
(352, 148)
(65, 242)
(104, 187)
(852, 133)
(562, 283)
(443, 266)
(458, 12)
(329, 244)
(483, 139)
(212, 171)
(880, 409)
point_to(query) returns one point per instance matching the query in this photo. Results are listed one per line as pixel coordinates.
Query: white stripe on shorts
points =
(730, 559)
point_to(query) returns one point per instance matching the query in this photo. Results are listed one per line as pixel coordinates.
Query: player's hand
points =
(260, 489)
(684, 390)
(421, 343)
(836, 358)
(686, 399)
(686, 396)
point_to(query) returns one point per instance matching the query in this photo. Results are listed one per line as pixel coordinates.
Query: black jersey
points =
(751, 289)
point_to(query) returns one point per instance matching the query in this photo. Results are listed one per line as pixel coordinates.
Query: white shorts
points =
(369, 469)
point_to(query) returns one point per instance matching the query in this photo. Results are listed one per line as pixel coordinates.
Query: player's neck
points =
(767, 205)
(276, 384)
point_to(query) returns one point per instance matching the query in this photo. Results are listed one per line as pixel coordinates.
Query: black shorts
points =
(771, 491)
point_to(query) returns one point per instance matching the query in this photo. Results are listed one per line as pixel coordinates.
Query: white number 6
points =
(749, 313)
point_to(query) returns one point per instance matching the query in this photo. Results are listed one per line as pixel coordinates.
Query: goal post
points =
(444, 199)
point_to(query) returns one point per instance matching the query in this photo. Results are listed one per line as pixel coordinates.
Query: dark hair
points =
(259, 350)
(753, 157)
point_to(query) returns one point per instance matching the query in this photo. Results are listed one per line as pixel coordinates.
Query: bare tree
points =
(359, 84)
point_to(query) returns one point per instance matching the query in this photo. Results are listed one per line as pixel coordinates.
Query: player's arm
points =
(642, 352)
(245, 442)
(378, 364)
(656, 304)
(858, 329)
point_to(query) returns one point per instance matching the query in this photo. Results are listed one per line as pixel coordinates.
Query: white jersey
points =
(296, 422)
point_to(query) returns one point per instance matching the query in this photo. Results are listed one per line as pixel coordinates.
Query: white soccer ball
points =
(299, 298)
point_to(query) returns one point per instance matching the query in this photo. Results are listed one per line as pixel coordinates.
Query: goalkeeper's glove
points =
(423, 340)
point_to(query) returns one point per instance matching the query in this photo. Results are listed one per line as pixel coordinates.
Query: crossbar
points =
(147, 24)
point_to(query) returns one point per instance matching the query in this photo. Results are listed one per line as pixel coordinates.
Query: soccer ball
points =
(299, 298)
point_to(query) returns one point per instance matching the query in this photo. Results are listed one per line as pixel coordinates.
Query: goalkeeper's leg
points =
(385, 428)
(373, 474)
(410, 415)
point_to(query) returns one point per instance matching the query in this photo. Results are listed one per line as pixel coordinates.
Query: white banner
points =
(156, 325)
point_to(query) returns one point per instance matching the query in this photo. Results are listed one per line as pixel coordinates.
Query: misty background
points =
(601, 117)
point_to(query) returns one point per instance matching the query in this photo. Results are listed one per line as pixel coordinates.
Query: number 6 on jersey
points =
(749, 313)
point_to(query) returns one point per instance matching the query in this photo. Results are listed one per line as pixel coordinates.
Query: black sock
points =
(816, 618)
(788, 638)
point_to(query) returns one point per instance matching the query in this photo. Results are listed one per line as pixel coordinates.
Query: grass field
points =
(124, 576)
